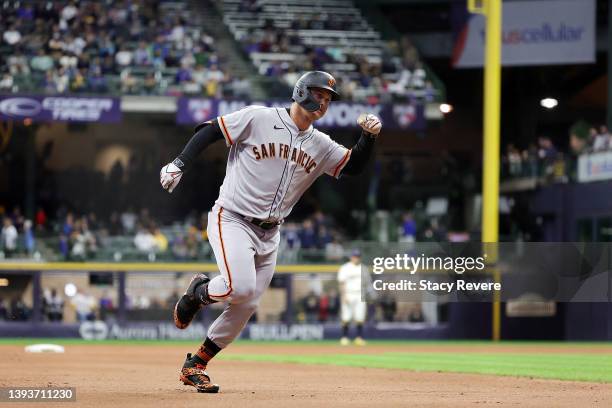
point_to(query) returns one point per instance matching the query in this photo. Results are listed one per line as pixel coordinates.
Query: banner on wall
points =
(60, 108)
(538, 32)
(401, 116)
(595, 167)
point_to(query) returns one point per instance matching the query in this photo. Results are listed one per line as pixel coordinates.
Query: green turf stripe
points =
(527, 365)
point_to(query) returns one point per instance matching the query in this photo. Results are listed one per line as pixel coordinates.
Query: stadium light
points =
(549, 103)
(446, 108)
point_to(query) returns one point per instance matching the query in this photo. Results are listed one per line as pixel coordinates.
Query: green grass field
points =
(574, 367)
(485, 359)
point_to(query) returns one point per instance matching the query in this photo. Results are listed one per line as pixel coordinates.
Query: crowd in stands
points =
(135, 47)
(545, 160)
(80, 237)
(381, 81)
(285, 39)
(598, 140)
(325, 308)
(14, 310)
(130, 235)
(150, 47)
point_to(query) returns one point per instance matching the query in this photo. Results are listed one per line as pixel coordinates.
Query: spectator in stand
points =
(54, 306)
(40, 219)
(9, 237)
(29, 242)
(19, 310)
(547, 153)
(143, 55)
(514, 161)
(3, 310)
(17, 218)
(6, 83)
(240, 87)
(129, 85)
(600, 139)
(62, 80)
(530, 158)
(308, 235)
(48, 84)
(310, 304)
(388, 307)
(324, 237)
(12, 36)
(64, 246)
(408, 230)
(106, 305)
(144, 240)
(84, 305)
(68, 226)
(79, 81)
(128, 220)
(334, 251)
(150, 84)
(115, 227)
(161, 242)
(96, 82)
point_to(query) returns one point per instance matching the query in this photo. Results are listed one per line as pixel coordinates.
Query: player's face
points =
(323, 98)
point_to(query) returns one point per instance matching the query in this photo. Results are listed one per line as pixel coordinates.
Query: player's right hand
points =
(169, 176)
(370, 123)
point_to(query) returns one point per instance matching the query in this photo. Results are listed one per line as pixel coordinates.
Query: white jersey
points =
(350, 275)
(271, 162)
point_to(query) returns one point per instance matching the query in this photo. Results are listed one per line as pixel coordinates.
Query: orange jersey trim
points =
(225, 132)
(342, 163)
(229, 275)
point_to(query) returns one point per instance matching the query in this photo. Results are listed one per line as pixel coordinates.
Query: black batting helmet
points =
(313, 79)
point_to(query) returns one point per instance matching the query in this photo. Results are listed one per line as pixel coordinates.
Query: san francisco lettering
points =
(298, 156)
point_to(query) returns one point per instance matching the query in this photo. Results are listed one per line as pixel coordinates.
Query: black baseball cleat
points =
(189, 304)
(193, 374)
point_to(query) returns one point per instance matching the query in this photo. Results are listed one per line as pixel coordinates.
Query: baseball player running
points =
(352, 309)
(275, 154)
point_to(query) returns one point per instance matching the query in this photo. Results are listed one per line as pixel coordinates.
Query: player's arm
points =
(361, 152)
(205, 135)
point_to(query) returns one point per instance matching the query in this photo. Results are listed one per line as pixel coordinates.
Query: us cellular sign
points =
(60, 108)
(533, 33)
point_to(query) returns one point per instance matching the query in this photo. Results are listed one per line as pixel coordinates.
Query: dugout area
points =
(280, 316)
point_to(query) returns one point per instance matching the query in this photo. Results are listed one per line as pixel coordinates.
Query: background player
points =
(352, 308)
(275, 155)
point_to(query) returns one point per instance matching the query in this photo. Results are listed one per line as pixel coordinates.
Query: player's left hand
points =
(169, 176)
(370, 123)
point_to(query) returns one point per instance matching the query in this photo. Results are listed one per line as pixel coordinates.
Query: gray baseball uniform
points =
(271, 163)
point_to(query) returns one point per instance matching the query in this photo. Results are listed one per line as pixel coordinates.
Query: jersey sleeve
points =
(236, 126)
(337, 158)
(342, 274)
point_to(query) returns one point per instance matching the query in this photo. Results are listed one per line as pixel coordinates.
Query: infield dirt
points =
(144, 376)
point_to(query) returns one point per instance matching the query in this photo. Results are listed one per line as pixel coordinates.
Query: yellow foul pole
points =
(492, 9)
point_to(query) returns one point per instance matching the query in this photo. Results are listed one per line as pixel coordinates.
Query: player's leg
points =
(233, 319)
(233, 248)
(360, 309)
(346, 315)
(236, 315)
